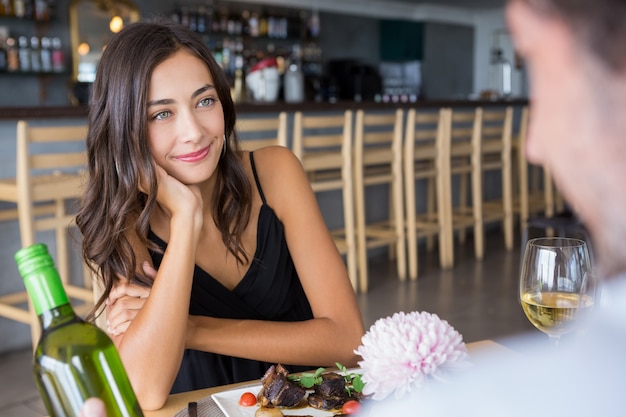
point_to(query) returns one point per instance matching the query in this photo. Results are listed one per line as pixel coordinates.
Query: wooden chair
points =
(260, 132)
(426, 157)
(50, 162)
(489, 150)
(378, 161)
(323, 143)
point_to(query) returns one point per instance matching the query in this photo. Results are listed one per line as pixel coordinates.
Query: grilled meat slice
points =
(332, 385)
(325, 403)
(277, 390)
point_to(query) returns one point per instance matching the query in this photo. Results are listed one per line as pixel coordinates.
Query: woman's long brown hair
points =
(119, 158)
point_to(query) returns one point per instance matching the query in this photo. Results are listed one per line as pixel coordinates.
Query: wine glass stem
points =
(555, 340)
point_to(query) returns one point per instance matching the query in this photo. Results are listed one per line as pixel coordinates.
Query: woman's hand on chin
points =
(176, 198)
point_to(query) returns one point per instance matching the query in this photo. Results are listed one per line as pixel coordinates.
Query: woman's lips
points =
(194, 156)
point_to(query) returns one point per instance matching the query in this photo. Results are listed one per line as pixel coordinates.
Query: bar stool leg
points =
(463, 202)
(477, 200)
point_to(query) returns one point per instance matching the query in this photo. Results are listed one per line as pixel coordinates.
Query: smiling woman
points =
(197, 242)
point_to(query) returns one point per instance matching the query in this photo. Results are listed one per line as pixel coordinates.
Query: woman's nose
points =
(189, 127)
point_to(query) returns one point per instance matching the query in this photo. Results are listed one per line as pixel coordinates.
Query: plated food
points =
(321, 393)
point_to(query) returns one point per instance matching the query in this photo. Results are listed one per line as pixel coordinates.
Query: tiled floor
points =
(478, 298)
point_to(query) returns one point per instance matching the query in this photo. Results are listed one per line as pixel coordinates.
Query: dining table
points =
(177, 404)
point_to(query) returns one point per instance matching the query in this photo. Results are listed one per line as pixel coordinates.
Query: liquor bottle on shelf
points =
(203, 21)
(13, 57)
(19, 9)
(74, 360)
(6, 8)
(43, 10)
(263, 25)
(24, 54)
(253, 25)
(46, 54)
(3, 54)
(35, 54)
(314, 24)
(58, 57)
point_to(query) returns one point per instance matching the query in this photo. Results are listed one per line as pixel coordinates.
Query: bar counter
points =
(53, 112)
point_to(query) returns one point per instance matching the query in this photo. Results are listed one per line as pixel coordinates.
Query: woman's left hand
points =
(125, 301)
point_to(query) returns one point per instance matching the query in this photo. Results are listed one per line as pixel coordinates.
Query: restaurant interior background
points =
(455, 46)
(450, 44)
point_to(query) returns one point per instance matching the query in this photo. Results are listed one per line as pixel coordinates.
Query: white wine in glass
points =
(556, 284)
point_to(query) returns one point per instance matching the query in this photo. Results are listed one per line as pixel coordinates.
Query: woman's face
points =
(185, 118)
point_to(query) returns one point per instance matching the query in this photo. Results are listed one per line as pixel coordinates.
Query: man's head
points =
(575, 52)
(597, 25)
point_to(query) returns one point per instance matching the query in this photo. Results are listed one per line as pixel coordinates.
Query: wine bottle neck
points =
(45, 290)
(41, 278)
(57, 316)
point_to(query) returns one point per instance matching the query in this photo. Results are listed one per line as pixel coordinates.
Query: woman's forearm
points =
(314, 342)
(153, 345)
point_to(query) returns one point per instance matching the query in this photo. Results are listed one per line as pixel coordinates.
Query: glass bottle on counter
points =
(74, 360)
(500, 74)
(293, 78)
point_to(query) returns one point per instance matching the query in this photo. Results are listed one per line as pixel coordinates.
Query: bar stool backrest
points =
(378, 161)
(259, 132)
(50, 162)
(427, 161)
(323, 143)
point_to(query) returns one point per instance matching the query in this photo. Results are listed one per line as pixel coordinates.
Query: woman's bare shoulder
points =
(280, 174)
(276, 160)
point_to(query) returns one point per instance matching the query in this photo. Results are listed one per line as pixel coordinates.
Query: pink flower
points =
(402, 351)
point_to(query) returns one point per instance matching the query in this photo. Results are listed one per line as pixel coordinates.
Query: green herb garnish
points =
(354, 383)
(308, 380)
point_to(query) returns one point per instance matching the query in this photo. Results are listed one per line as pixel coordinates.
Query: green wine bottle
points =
(74, 360)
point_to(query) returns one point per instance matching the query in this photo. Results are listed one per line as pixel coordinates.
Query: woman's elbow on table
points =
(150, 397)
(344, 347)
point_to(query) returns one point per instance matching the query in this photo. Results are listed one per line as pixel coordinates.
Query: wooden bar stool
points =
(427, 157)
(323, 143)
(378, 160)
(496, 151)
(462, 126)
(49, 174)
(532, 197)
(259, 132)
(481, 142)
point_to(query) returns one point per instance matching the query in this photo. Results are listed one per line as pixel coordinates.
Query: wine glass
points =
(556, 284)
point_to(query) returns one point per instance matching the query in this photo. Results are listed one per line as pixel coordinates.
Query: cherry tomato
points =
(351, 407)
(247, 399)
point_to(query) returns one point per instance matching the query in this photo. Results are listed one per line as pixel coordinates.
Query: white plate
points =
(228, 402)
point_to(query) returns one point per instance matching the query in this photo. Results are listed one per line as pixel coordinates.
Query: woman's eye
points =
(205, 102)
(162, 115)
